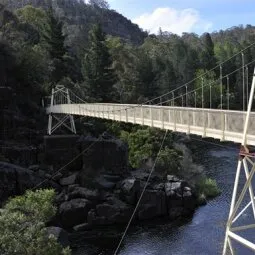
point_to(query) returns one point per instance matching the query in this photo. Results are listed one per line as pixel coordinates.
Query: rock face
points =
(113, 23)
(74, 212)
(60, 150)
(107, 156)
(14, 180)
(82, 208)
(101, 192)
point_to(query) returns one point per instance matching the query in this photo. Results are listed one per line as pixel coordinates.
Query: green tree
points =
(36, 17)
(22, 225)
(208, 59)
(55, 40)
(144, 145)
(97, 68)
(211, 89)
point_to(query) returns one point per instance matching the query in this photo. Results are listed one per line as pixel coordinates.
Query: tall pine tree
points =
(207, 56)
(55, 41)
(97, 68)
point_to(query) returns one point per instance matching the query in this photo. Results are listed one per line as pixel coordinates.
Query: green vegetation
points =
(144, 145)
(41, 49)
(99, 77)
(207, 188)
(22, 225)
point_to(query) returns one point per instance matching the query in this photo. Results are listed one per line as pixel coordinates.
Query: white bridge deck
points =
(225, 125)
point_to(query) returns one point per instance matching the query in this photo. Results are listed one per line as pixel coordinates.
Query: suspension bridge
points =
(186, 110)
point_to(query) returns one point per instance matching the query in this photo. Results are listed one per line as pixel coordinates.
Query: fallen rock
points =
(153, 204)
(129, 190)
(15, 180)
(102, 183)
(74, 212)
(70, 180)
(106, 210)
(146, 212)
(95, 220)
(79, 192)
(189, 202)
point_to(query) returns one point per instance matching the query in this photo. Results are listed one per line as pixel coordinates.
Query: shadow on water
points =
(203, 234)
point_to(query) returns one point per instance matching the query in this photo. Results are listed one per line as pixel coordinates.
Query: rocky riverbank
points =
(100, 189)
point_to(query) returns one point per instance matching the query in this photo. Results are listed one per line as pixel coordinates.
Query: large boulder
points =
(153, 204)
(60, 150)
(129, 189)
(179, 197)
(94, 219)
(80, 192)
(74, 212)
(104, 156)
(102, 183)
(189, 201)
(69, 180)
(110, 212)
(15, 180)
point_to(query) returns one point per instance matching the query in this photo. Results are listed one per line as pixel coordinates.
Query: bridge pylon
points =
(235, 230)
(60, 96)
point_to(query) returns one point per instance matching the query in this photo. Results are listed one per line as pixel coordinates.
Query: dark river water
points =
(203, 234)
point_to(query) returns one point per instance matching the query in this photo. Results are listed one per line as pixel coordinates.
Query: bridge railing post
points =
(134, 115)
(223, 125)
(169, 116)
(151, 115)
(175, 116)
(188, 132)
(126, 112)
(204, 123)
(142, 115)
(162, 116)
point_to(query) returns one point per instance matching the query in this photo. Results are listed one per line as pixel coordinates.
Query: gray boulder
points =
(153, 204)
(70, 180)
(74, 212)
(94, 219)
(189, 202)
(146, 212)
(79, 192)
(110, 212)
(102, 183)
(129, 190)
(15, 180)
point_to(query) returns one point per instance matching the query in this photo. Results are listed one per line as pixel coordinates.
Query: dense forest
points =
(66, 42)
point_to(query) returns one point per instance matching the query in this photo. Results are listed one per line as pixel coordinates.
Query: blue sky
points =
(179, 16)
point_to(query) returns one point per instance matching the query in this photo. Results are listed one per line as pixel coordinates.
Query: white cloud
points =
(172, 20)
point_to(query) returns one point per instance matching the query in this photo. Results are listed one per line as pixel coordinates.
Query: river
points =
(203, 234)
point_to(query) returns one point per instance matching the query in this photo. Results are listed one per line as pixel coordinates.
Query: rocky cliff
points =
(79, 16)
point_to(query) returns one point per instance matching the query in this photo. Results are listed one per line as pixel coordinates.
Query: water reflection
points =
(201, 235)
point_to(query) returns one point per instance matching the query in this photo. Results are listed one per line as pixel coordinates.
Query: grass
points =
(207, 188)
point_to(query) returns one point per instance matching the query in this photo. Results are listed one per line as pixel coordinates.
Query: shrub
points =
(22, 225)
(169, 161)
(208, 187)
(144, 144)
